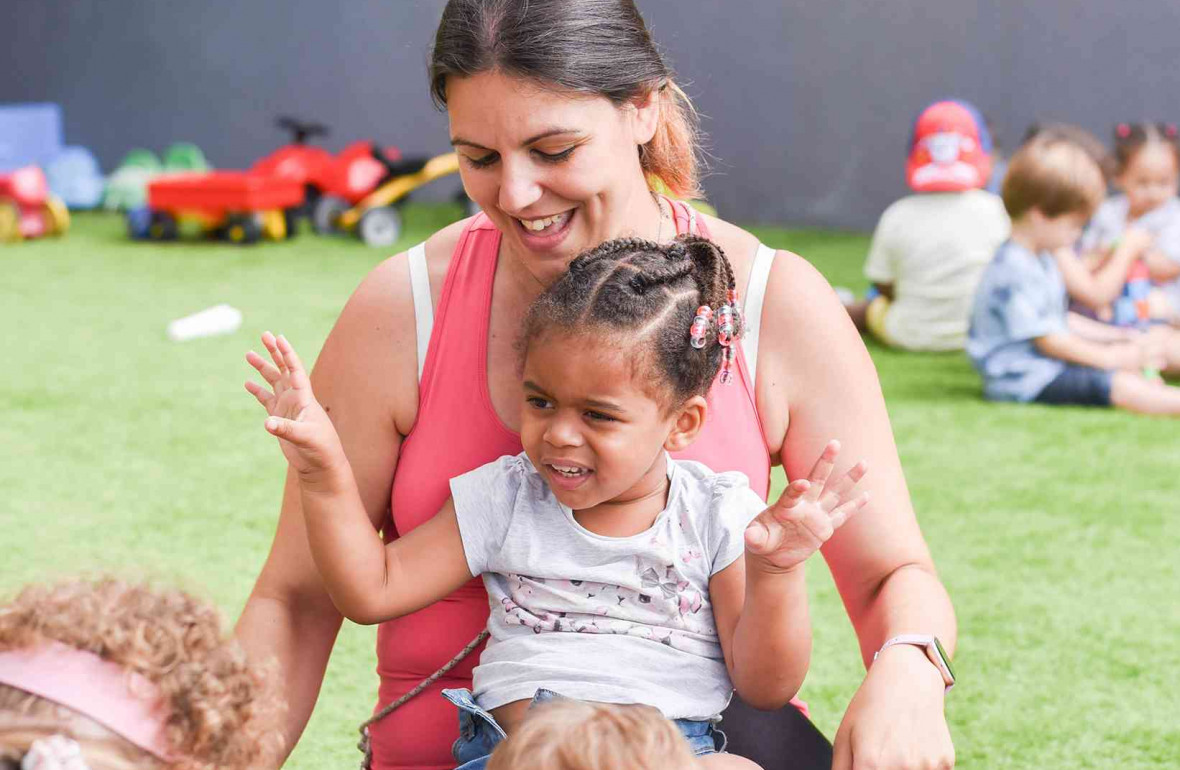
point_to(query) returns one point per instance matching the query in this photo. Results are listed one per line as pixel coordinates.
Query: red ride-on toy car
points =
(239, 206)
(27, 208)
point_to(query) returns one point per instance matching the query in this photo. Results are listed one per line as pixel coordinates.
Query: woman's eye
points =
(483, 162)
(555, 157)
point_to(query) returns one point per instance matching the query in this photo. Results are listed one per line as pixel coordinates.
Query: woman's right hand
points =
(306, 435)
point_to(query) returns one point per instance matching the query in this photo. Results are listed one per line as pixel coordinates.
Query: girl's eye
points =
(555, 157)
(483, 162)
(537, 402)
(599, 416)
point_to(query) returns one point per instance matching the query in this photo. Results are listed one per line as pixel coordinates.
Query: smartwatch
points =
(934, 652)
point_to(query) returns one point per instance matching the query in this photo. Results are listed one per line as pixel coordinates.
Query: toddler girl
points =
(112, 676)
(1147, 171)
(614, 573)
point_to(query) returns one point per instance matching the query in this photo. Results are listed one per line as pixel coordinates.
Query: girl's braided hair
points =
(645, 295)
(1129, 138)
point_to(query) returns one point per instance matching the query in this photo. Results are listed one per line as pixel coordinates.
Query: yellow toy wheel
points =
(274, 225)
(57, 216)
(9, 223)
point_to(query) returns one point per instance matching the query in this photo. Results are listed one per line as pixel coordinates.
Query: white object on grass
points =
(219, 319)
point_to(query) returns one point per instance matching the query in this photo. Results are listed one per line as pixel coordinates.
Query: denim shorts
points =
(1079, 386)
(479, 734)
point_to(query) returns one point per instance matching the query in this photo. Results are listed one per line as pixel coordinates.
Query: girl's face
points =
(558, 172)
(1149, 179)
(587, 427)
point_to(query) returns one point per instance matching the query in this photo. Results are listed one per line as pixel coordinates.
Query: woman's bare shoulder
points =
(739, 244)
(371, 354)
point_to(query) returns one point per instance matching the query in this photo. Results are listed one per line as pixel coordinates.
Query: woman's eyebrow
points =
(458, 140)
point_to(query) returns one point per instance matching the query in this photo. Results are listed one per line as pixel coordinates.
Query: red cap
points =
(950, 149)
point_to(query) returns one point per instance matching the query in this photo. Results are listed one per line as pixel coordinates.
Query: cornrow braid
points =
(644, 296)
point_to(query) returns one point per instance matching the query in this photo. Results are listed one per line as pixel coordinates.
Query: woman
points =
(565, 114)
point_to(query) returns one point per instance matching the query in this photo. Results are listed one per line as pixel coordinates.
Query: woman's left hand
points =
(896, 721)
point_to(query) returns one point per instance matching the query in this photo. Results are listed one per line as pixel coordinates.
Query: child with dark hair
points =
(1147, 171)
(614, 572)
(108, 675)
(1023, 341)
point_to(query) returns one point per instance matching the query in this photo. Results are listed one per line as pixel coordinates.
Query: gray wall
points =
(808, 104)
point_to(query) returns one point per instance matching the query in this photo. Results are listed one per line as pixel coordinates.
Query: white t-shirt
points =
(933, 248)
(615, 620)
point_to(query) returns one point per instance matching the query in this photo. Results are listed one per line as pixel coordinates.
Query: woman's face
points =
(557, 171)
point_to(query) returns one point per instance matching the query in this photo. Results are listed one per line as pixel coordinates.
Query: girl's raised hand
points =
(306, 434)
(806, 515)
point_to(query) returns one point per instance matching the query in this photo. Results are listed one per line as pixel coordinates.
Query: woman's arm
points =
(760, 601)
(369, 581)
(817, 382)
(366, 379)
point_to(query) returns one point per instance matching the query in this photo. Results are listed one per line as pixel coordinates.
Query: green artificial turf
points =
(1054, 529)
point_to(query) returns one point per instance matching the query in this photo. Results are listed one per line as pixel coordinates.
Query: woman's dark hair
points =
(597, 47)
(644, 295)
(1130, 138)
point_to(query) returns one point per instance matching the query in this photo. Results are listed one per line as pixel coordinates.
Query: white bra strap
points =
(752, 306)
(423, 307)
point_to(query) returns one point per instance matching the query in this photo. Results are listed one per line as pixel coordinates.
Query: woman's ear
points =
(690, 418)
(646, 117)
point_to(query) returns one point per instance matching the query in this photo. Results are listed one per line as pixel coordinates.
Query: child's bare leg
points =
(726, 762)
(1135, 393)
(859, 312)
(1170, 342)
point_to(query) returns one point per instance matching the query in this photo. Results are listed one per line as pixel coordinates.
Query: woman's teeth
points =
(545, 223)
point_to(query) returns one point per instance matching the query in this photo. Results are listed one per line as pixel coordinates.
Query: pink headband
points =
(121, 700)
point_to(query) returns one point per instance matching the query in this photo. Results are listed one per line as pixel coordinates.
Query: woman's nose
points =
(519, 186)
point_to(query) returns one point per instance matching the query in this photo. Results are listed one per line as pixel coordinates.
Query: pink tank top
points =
(456, 431)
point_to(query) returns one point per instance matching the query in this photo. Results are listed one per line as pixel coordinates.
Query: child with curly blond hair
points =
(108, 675)
(579, 735)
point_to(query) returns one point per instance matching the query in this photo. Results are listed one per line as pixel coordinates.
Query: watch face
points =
(946, 661)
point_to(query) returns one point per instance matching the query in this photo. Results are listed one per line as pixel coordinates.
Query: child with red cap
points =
(930, 248)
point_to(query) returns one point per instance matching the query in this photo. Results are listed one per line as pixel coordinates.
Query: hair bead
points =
(700, 326)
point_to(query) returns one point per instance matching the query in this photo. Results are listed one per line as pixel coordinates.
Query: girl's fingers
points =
(294, 365)
(847, 510)
(838, 492)
(757, 536)
(823, 468)
(792, 494)
(263, 395)
(272, 347)
(269, 371)
(295, 432)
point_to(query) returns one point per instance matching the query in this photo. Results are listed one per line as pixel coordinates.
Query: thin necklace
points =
(660, 207)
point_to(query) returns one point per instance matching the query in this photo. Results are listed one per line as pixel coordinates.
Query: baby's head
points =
(613, 375)
(1147, 165)
(1051, 189)
(575, 735)
(123, 676)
